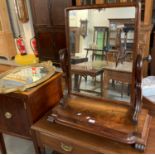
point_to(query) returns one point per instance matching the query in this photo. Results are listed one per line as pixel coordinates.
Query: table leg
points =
(76, 82)
(2, 144)
(37, 147)
(106, 83)
(102, 84)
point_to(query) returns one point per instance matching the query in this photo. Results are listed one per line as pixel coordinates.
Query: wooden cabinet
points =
(51, 43)
(49, 25)
(6, 36)
(18, 111)
(13, 116)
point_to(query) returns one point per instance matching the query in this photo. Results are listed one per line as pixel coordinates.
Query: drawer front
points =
(13, 117)
(63, 145)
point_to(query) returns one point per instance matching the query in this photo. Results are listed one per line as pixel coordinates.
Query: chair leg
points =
(128, 89)
(95, 81)
(79, 83)
(113, 84)
(122, 90)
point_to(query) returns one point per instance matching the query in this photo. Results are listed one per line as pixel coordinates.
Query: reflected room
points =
(101, 44)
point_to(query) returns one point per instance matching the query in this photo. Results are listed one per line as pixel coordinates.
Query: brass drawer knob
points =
(66, 148)
(8, 115)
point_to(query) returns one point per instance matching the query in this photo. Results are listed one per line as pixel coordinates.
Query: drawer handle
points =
(8, 115)
(66, 147)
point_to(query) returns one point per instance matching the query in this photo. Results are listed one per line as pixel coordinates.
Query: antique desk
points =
(92, 69)
(122, 73)
(68, 140)
(18, 111)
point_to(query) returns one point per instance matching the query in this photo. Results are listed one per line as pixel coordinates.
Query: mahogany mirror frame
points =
(136, 96)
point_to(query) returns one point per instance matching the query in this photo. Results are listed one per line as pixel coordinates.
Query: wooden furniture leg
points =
(102, 84)
(2, 144)
(106, 83)
(76, 79)
(38, 150)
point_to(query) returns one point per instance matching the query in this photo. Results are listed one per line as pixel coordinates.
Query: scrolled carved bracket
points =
(64, 63)
(138, 90)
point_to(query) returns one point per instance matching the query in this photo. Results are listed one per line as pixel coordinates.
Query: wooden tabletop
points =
(92, 142)
(97, 65)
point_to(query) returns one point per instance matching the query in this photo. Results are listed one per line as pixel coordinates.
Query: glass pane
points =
(100, 40)
(102, 67)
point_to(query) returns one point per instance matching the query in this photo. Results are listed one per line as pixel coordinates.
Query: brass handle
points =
(8, 115)
(66, 148)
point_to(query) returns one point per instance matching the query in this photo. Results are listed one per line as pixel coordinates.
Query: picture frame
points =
(83, 28)
(22, 11)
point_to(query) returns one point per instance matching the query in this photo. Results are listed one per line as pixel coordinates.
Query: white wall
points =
(26, 30)
(97, 17)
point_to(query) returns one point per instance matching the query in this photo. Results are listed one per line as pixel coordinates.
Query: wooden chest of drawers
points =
(18, 111)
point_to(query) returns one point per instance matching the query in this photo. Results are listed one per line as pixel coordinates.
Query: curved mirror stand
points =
(22, 78)
(101, 62)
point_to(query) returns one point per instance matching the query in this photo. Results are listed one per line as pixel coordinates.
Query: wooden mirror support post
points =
(119, 121)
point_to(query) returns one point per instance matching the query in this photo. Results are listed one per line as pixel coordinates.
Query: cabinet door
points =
(50, 43)
(59, 43)
(13, 116)
(57, 8)
(45, 44)
(40, 12)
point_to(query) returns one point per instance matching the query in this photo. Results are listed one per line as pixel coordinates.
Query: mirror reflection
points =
(23, 77)
(101, 43)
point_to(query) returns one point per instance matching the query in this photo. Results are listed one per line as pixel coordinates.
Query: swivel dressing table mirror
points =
(104, 71)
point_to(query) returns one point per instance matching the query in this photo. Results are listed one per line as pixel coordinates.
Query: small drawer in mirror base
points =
(61, 145)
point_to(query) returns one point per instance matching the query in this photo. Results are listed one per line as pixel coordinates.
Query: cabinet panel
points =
(57, 9)
(50, 43)
(45, 44)
(13, 117)
(40, 11)
(49, 24)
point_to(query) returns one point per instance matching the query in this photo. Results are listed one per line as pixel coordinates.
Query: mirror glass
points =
(101, 46)
(22, 78)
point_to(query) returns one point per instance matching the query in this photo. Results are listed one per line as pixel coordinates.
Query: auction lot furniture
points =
(125, 122)
(19, 110)
(68, 140)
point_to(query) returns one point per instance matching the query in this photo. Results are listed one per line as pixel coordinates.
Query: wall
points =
(7, 45)
(21, 29)
(97, 18)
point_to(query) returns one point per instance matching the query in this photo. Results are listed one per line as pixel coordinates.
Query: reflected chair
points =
(122, 52)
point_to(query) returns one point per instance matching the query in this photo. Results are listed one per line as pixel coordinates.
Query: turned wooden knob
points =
(148, 58)
(8, 115)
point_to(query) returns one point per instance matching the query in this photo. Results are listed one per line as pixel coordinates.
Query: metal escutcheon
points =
(66, 147)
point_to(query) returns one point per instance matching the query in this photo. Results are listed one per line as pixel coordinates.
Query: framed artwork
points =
(22, 10)
(83, 28)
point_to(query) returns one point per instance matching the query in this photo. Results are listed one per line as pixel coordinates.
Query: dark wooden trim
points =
(136, 50)
(2, 144)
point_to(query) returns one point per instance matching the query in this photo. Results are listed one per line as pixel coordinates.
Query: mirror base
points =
(101, 119)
